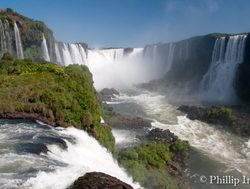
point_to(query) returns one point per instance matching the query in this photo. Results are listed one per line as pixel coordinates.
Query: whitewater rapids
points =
(216, 144)
(59, 167)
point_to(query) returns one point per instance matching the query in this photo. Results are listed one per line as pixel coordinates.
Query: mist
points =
(113, 68)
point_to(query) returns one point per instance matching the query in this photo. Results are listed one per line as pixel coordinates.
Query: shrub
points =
(221, 113)
(63, 96)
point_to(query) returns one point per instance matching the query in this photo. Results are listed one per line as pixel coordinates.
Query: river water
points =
(214, 152)
(37, 156)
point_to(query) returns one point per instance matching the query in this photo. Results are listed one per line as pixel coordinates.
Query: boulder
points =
(98, 180)
(159, 135)
(107, 94)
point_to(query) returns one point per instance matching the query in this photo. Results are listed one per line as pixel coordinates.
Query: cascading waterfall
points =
(170, 56)
(42, 157)
(138, 65)
(159, 58)
(70, 53)
(5, 37)
(45, 49)
(19, 47)
(217, 83)
(111, 68)
(59, 59)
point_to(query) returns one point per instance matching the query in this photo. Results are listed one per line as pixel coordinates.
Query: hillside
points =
(59, 96)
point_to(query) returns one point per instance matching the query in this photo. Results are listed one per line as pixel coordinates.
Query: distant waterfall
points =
(159, 58)
(217, 83)
(70, 53)
(5, 37)
(19, 47)
(170, 56)
(45, 49)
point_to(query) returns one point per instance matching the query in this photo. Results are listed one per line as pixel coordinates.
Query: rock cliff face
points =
(31, 33)
(215, 68)
(186, 66)
(242, 81)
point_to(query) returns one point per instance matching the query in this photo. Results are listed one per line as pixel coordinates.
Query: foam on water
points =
(86, 155)
(125, 137)
(219, 145)
(59, 167)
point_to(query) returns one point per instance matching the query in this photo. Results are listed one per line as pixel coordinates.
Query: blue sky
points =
(124, 23)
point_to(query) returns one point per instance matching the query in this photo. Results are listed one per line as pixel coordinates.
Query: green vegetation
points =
(221, 113)
(149, 163)
(31, 34)
(60, 96)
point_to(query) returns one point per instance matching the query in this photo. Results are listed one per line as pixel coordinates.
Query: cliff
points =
(31, 32)
(59, 96)
(199, 66)
(242, 82)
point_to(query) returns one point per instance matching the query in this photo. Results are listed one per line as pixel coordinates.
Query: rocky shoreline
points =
(172, 171)
(26, 115)
(235, 118)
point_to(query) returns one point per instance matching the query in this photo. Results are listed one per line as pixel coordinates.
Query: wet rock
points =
(107, 94)
(53, 140)
(159, 135)
(34, 148)
(97, 180)
(130, 123)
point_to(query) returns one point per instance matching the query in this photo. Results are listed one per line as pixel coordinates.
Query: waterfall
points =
(59, 59)
(105, 55)
(19, 48)
(45, 49)
(5, 38)
(71, 154)
(170, 57)
(159, 58)
(70, 53)
(217, 83)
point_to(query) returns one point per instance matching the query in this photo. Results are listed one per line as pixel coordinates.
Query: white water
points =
(19, 47)
(84, 156)
(218, 145)
(217, 84)
(70, 53)
(125, 138)
(59, 167)
(109, 72)
(159, 59)
(45, 49)
(5, 39)
(111, 68)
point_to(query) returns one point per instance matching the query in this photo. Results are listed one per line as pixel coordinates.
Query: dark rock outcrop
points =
(107, 94)
(235, 119)
(159, 135)
(242, 81)
(34, 148)
(98, 180)
(130, 123)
